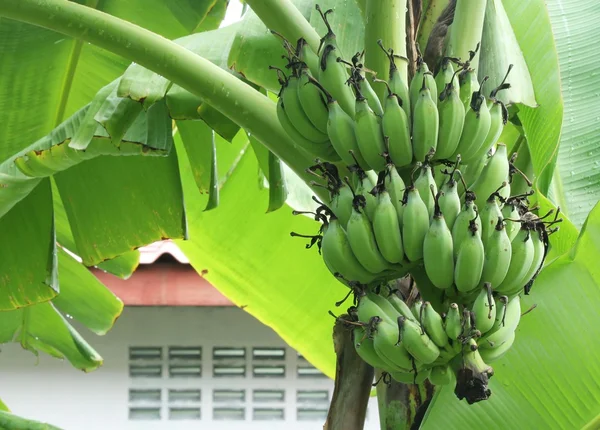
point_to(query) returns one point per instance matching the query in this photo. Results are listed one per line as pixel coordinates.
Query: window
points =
(252, 383)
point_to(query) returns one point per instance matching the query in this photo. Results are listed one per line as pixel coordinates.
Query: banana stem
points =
(235, 99)
(385, 20)
(285, 18)
(402, 406)
(466, 30)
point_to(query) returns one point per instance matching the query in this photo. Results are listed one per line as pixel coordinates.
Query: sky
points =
(234, 13)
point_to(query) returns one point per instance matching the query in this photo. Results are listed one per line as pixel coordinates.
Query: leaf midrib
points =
(70, 74)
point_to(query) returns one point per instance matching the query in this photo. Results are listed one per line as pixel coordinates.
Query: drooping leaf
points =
(28, 262)
(84, 298)
(3, 406)
(550, 377)
(42, 328)
(9, 421)
(200, 145)
(252, 259)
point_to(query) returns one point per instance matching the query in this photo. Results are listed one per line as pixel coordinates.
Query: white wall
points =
(52, 391)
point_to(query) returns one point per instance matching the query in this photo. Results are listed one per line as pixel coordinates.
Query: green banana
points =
(425, 123)
(416, 342)
(498, 250)
(510, 320)
(397, 84)
(417, 84)
(416, 309)
(452, 119)
(322, 150)
(460, 229)
(364, 185)
(484, 309)
(521, 258)
(538, 258)
(476, 127)
(358, 75)
(440, 375)
(501, 303)
(385, 341)
(401, 306)
(411, 377)
(396, 128)
(504, 193)
(341, 204)
(438, 256)
(415, 224)
(425, 184)
(490, 355)
(311, 101)
(472, 171)
(489, 217)
(340, 129)
(498, 116)
(369, 134)
(338, 254)
(390, 314)
(362, 239)
(368, 309)
(395, 187)
(469, 262)
(510, 211)
(449, 199)
(467, 80)
(333, 74)
(296, 114)
(446, 75)
(365, 349)
(387, 229)
(498, 119)
(493, 175)
(433, 325)
(306, 55)
(452, 323)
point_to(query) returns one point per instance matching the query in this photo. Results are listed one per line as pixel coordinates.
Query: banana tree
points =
(115, 113)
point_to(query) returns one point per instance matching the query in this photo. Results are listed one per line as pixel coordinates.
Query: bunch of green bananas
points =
(329, 108)
(415, 343)
(419, 186)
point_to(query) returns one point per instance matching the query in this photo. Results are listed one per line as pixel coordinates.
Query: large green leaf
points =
(574, 23)
(28, 263)
(250, 257)
(122, 266)
(541, 124)
(550, 378)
